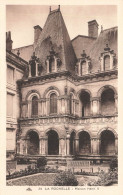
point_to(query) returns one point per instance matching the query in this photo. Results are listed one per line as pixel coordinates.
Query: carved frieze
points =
(67, 120)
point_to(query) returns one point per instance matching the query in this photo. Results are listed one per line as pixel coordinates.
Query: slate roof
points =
(94, 47)
(55, 34)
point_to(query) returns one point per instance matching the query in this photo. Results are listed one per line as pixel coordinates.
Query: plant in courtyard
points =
(65, 179)
(105, 178)
(41, 162)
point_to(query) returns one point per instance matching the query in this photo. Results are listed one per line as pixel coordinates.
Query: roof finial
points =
(59, 7)
(50, 9)
(18, 53)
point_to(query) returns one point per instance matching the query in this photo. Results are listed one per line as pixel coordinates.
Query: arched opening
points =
(34, 106)
(107, 102)
(85, 103)
(72, 143)
(107, 143)
(52, 65)
(33, 69)
(53, 103)
(83, 68)
(33, 143)
(53, 143)
(106, 62)
(84, 143)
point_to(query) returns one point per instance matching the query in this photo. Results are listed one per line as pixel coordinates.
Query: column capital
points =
(95, 99)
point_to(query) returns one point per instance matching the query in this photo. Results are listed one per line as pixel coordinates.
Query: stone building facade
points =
(15, 70)
(68, 93)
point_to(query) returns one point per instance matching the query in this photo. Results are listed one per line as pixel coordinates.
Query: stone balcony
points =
(67, 119)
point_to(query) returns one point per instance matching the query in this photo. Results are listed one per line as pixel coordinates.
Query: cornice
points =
(15, 60)
(89, 78)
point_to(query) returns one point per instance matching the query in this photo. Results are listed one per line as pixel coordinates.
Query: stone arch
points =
(32, 138)
(72, 142)
(84, 142)
(100, 91)
(84, 98)
(32, 93)
(78, 132)
(52, 128)
(50, 90)
(82, 90)
(107, 142)
(107, 128)
(52, 142)
(72, 91)
(28, 131)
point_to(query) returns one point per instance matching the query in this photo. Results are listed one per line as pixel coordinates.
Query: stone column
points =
(42, 146)
(55, 60)
(116, 103)
(68, 145)
(87, 66)
(45, 146)
(76, 145)
(74, 111)
(47, 66)
(94, 146)
(25, 146)
(102, 64)
(36, 69)
(116, 145)
(29, 108)
(39, 108)
(79, 68)
(95, 106)
(21, 145)
(26, 110)
(111, 62)
(29, 70)
(62, 146)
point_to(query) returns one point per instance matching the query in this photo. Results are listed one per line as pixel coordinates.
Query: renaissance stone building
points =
(68, 93)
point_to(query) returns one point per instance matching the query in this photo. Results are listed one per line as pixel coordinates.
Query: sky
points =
(20, 19)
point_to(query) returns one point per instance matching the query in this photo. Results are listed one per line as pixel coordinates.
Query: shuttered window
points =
(34, 106)
(53, 103)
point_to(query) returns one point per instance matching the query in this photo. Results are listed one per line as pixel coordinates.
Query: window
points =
(34, 106)
(51, 65)
(9, 105)
(106, 62)
(53, 103)
(83, 68)
(10, 75)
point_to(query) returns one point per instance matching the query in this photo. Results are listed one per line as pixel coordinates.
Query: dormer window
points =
(34, 66)
(107, 59)
(83, 66)
(53, 62)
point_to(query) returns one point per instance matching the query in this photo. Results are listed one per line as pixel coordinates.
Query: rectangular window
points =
(10, 75)
(9, 105)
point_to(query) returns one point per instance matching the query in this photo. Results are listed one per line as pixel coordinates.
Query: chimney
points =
(8, 41)
(93, 28)
(37, 32)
